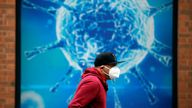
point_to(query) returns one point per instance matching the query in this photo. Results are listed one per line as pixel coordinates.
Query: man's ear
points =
(102, 66)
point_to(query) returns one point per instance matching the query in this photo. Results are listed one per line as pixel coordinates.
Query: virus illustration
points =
(31, 99)
(84, 28)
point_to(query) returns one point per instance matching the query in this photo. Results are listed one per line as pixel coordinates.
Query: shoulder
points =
(91, 79)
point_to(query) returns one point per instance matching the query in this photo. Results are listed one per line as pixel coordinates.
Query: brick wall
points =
(7, 54)
(185, 54)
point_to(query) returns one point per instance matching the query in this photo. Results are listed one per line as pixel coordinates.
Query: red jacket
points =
(91, 92)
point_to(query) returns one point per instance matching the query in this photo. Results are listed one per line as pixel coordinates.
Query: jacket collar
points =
(96, 72)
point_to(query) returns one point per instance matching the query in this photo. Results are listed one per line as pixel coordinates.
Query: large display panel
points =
(59, 39)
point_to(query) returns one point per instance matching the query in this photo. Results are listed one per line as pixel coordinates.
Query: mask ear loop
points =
(106, 74)
(104, 71)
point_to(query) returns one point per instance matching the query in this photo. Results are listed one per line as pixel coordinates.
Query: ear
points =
(102, 66)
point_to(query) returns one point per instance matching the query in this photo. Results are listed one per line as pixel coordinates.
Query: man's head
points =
(107, 62)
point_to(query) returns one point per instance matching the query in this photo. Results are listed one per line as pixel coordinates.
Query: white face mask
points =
(114, 72)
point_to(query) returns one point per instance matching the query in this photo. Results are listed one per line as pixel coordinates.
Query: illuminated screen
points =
(61, 38)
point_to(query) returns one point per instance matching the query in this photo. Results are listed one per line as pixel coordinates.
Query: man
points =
(91, 92)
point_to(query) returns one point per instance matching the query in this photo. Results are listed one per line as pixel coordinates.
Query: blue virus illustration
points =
(31, 99)
(85, 28)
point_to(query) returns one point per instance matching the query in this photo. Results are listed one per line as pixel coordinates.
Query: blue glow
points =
(131, 29)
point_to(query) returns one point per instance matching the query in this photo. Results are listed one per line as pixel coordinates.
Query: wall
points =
(185, 54)
(7, 54)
